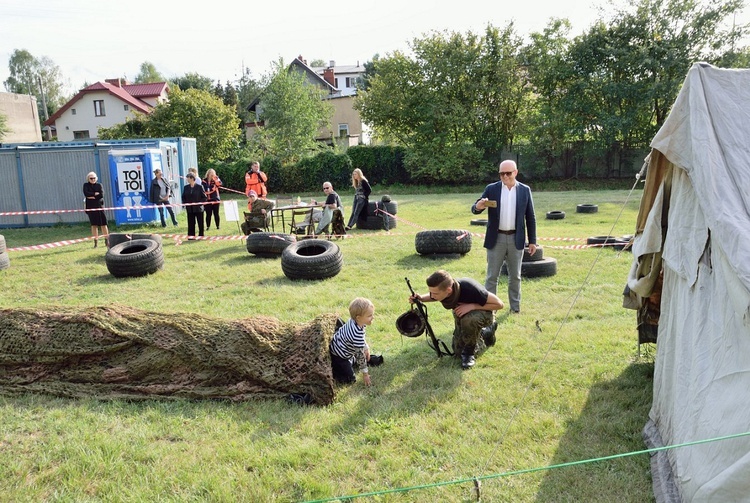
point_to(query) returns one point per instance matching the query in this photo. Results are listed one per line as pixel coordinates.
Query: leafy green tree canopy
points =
(31, 75)
(192, 80)
(200, 115)
(293, 109)
(149, 74)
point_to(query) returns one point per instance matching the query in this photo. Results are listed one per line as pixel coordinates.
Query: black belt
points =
(509, 233)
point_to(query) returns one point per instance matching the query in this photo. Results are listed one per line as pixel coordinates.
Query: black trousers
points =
(192, 218)
(212, 209)
(343, 371)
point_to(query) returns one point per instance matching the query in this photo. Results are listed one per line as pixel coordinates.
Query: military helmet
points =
(411, 323)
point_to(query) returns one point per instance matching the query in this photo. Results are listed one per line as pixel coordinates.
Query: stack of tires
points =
(536, 265)
(4, 259)
(375, 219)
(131, 258)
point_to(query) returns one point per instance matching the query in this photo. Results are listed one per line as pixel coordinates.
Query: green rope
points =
(526, 470)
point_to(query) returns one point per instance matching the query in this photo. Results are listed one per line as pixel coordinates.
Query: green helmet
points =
(411, 323)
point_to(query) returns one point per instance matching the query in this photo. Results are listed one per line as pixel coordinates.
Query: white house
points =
(105, 104)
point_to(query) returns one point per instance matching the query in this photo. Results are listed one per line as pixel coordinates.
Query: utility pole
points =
(44, 106)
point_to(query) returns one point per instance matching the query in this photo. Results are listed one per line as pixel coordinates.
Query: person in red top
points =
(211, 186)
(256, 180)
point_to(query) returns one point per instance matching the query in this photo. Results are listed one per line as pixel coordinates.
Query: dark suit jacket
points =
(193, 194)
(525, 217)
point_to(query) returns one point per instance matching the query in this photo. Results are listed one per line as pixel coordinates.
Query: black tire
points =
(268, 244)
(555, 215)
(587, 208)
(443, 242)
(311, 259)
(479, 221)
(135, 258)
(538, 269)
(372, 221)
(116, 238)
(2, 244)
(539, 255)
(376, 223)
(623, 245)
(602, 240)
(4, 261)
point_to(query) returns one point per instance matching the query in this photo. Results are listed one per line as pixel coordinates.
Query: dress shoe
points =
(467, 361)
(488, 334)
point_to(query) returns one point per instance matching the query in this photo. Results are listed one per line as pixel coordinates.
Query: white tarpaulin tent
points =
(694, 226)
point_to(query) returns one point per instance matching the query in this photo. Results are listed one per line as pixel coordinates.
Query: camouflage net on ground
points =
(121, 352)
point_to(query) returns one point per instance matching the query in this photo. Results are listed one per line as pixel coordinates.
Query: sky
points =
(95, 40)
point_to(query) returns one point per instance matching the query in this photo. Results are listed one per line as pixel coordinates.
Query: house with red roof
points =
(105, 104)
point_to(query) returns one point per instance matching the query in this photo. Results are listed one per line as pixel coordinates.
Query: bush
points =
(310, 172)
(380, 164)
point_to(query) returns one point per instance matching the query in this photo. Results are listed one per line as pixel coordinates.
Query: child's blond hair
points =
(359, 306)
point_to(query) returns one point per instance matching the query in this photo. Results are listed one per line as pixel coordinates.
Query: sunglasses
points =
(92, 178)
(506, 173)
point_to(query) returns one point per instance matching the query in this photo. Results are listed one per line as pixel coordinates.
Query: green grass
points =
(572, 391)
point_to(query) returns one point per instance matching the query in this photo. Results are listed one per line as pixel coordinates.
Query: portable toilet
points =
(131, 172)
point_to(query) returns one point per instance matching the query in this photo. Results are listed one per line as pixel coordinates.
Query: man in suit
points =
(510, 217)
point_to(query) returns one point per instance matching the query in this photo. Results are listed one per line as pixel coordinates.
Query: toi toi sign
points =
(130, 177)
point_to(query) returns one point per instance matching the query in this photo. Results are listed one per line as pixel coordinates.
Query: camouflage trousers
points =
(467, 332)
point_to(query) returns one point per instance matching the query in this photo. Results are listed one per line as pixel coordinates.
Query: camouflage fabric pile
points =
(121, 352)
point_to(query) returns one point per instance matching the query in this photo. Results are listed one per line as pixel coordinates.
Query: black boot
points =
(488, 334)
(467, 361)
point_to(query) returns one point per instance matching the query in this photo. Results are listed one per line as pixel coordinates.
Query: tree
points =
(192, 80)
(247, 90)
(133, 127)
(198, 114)
(4, 129)
(457, 103)
(39, 77)
(149, 74)
(293, 110)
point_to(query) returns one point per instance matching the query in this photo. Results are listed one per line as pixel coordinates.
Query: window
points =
(350, 82)
(343, 130)
(126, 107)
(80, 135)
(73, 111)
(99, 108)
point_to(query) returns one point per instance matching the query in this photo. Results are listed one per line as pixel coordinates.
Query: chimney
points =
(301, 59)
(329, 77)
(331, 64)
(115, 82)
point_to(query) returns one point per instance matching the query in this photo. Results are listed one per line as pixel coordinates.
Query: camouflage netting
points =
(121, 352)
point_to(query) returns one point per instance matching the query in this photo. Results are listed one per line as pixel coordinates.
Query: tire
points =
(4, 261)
(268, 244)
(135, 258)
(311, 259)
(479, 221)
(555, 215)
(602, 240)
(376, 223)
(587, 208)
(116, 238)
(623, 245)
(538, 269)
(539, 255)
(371, 221)
(2, 244)
(443, 242)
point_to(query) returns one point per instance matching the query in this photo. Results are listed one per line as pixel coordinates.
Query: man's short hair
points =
(190, 175)
(440, 279)
(359, 306)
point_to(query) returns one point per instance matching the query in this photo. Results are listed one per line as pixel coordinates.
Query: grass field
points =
(562, 384)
